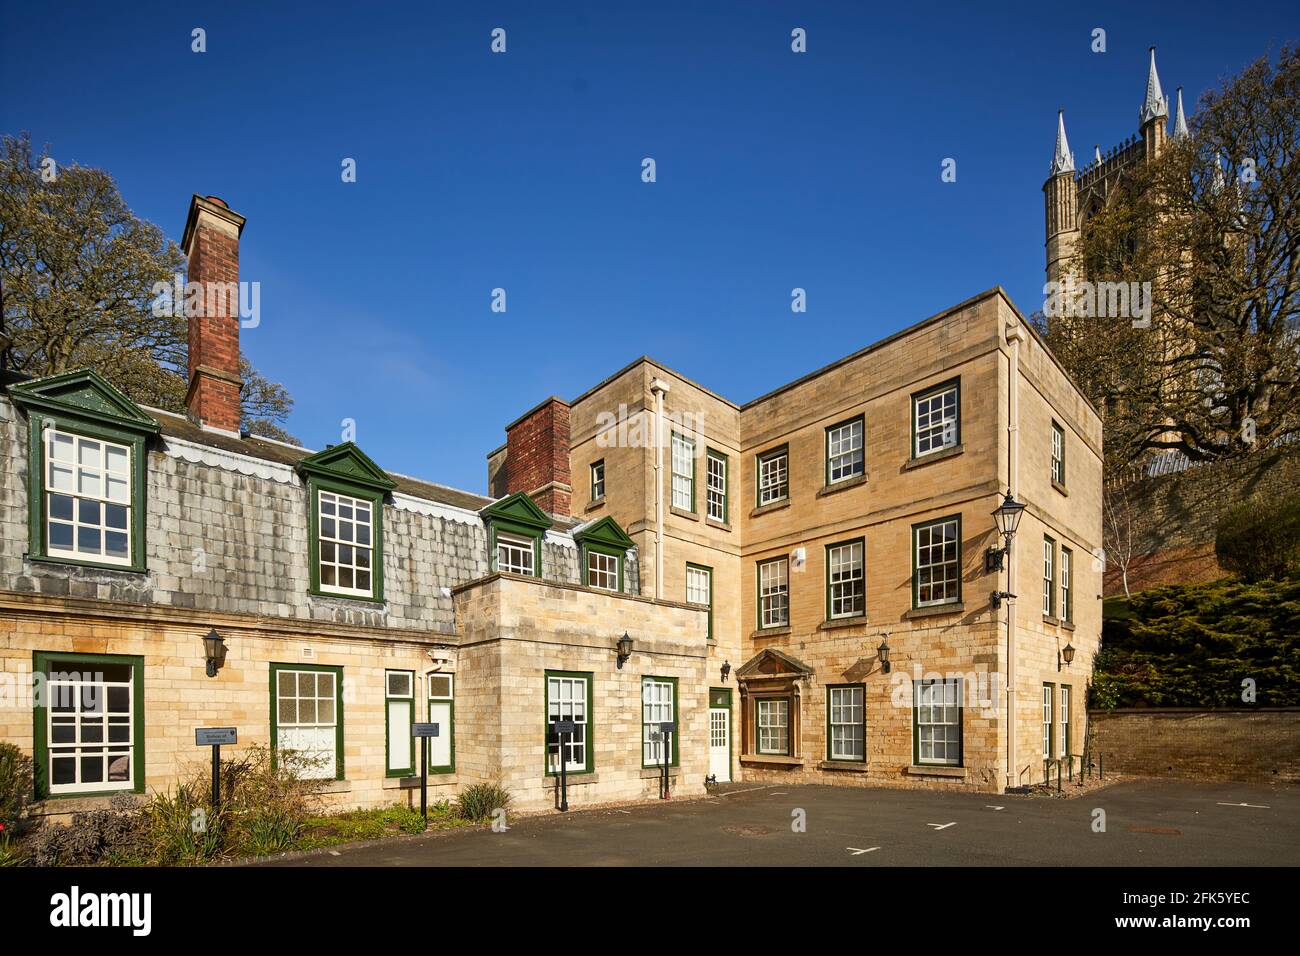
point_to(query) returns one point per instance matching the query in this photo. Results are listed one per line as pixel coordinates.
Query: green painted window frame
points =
(429, 701)
(672, 468)
(1058, 429)
(1047, 707)
(826, 449)
(759, 460)
(961, 723)
(519, 531)
(38, 543)
(830, 750)
(789, 725)
(692, 566)
(315, 485)
(758, 592)
(916, 583)
(715, 455)
(1049, 583)
(337, 671)
(826, 574)
(389, 699)
(952, 383)
(43, 663)
(599, 463)
(677, 734)
(620, 554)
(590, 678)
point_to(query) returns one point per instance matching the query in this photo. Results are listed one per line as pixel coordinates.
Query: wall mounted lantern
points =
(624, 648)
(214, 650)
(883, 651)
(1067, 655)
(726, 669)
(1007, 517)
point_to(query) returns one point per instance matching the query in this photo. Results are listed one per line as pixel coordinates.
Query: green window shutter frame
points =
(273, 681)
(44, 662)
(83, 403)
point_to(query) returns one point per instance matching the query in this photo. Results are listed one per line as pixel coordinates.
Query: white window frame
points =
(938, 706)
(772, 725)
(947, 569)
(658, 705)
(88, 693)
(694, 590)
(934, 421)
(569, 704)
(846, 451)
(1049, 705)
(1067, 602)
(716, 485)
(846, 579)
(106, 487)
(1049, 575)
(1058, 454)
(774, 593)
(1063, 721)
(603, 570)
(325, 770)
(598, 480)
(336, 543)
(511, 546)
(773, 477)
(683, 472)
(847, 720)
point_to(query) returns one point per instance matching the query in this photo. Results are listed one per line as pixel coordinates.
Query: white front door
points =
(720, 743)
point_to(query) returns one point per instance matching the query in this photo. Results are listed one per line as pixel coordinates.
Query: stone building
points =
(808, 586)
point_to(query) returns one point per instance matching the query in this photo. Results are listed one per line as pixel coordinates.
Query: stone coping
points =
(567, 586)
(924, 770)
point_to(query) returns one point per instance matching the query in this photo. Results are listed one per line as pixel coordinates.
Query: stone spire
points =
(1063, 160)
(1180, 121)
(1096, 154)
(1156, 104)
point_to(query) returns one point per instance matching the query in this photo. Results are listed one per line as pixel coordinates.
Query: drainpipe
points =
(1015, 335)
(659, 387)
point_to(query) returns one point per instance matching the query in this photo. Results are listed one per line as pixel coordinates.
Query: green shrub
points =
(15, 785)
(1193, 645)
(1258, 539)
(116, 836)
(477, 803)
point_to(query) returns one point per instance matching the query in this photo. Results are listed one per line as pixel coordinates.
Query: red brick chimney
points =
(211, 241)
(537, 456)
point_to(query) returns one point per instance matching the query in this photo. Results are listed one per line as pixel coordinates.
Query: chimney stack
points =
(211, 241)
(537, 456)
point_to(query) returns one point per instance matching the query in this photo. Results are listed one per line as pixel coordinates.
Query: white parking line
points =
(942, 826)
(989, 806)
(856, 852)
(1254, 806)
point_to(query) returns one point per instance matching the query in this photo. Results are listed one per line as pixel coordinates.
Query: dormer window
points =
(88, 498)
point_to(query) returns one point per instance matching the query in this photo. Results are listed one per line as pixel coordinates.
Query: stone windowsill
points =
(770, 507)
(413, 783)
(683, 513)
(333, 786)
(1068, 625)
(657, 773)
(836, 622)
(598, 503)
(926, 771)
(936, 610)
(852, 766)
(715, 523)
(573, 779)
(933, 456)
(1060, 487)
(770, 632)
(843, 485)
(55, 806)
(778, 760)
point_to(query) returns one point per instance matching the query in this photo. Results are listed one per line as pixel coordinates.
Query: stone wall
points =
(1255, 746)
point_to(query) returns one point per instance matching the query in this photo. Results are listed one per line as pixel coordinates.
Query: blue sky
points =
(523, 171)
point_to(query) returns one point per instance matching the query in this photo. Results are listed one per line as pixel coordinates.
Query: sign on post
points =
(215, 737)
(424, 732)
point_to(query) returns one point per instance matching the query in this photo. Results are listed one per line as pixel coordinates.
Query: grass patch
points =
(331, 829)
